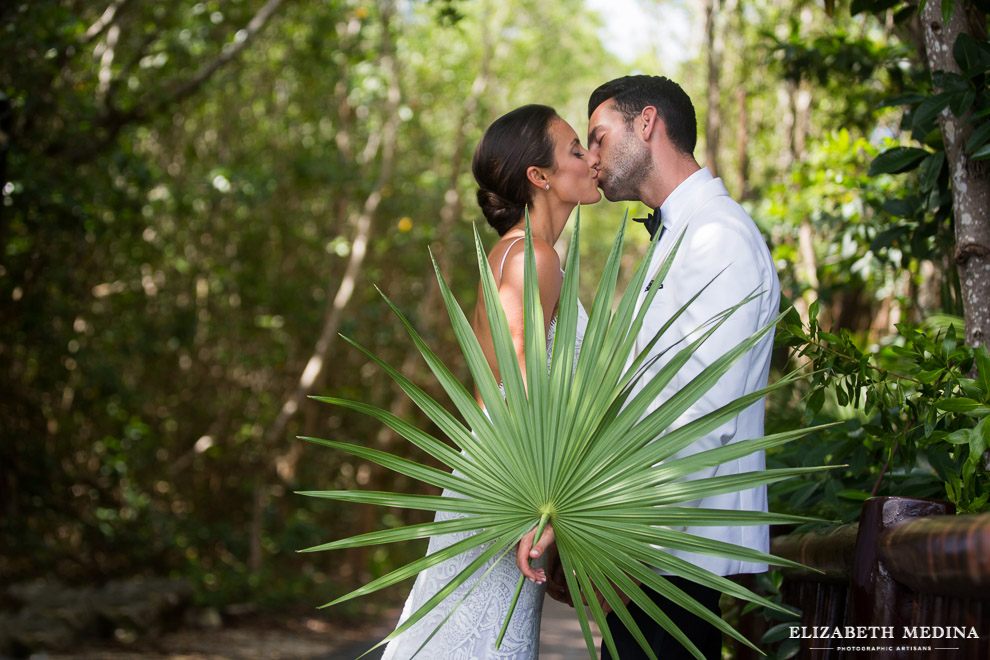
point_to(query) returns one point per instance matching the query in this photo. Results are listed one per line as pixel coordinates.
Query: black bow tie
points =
(652, 222)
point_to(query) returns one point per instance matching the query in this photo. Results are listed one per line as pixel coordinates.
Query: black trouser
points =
(706, 637)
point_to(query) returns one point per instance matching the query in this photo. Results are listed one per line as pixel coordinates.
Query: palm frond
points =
(573, 445)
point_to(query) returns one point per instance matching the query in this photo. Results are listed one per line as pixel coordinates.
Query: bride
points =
(529, 157)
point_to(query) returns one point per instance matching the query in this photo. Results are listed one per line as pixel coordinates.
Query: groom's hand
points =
(527, 551)
(622, 596)
(556, 580)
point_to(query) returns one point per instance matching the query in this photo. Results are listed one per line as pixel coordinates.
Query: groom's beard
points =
(631, 165)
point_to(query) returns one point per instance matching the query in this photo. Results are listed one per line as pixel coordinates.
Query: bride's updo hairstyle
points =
(513, 143)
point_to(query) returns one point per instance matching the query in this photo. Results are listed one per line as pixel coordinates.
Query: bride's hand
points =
(527, 551)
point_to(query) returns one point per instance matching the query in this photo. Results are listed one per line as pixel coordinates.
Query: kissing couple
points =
(642, 133)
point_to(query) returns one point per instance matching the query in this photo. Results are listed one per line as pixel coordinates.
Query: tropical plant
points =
(571, 445)
(913, 418)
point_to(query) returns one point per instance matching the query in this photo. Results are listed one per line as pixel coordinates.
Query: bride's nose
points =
(593, 161)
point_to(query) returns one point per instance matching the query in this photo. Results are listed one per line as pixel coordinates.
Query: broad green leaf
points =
(901, 99)
(901, 208)
(957, 404)
(897, 160)
(931, 168)
(983, 370)
(816, 401)
(948, 7)
(777, 633)
(961, 102)
(924, 116)
(979, 441)
(982, 153)
(967, 54)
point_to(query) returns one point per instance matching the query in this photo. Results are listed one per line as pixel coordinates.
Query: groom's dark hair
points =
(633, 93)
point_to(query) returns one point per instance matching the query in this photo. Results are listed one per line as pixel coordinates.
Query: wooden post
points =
(875, 597)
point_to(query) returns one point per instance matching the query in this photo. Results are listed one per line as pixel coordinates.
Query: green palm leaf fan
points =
(571, 446)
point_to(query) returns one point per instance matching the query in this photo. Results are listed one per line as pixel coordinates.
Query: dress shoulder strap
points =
(506, 254)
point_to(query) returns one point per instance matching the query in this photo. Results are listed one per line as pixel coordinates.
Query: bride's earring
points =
(548, 186)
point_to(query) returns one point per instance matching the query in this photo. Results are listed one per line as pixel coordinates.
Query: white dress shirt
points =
(719, 236)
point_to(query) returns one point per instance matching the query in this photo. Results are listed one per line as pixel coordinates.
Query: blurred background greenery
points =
(199, 195)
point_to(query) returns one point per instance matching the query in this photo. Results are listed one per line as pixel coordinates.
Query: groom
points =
(643, 131)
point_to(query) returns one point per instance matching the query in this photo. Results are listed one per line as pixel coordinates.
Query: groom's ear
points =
(650, 122)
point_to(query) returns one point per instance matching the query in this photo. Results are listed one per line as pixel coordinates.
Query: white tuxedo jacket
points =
(719, 236)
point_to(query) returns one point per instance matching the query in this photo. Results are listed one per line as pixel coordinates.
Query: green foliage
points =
(910, 405)
(776, 642)
(866, 242)
(914, 419)
(155, 251)
(851, 241)
(967, 96)
(837, 61)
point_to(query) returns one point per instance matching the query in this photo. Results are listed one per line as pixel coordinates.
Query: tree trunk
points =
(257, 526)
(802, 120)
(431, 307)
(713, 118)
(787, 112)
(275, 432)
(807, 273)
(742, 146)
(806, 249)
(359, 245)
(970, 179)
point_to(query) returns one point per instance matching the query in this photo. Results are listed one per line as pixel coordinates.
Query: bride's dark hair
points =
(516, 141)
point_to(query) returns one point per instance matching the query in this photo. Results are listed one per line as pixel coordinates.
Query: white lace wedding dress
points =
(471, 631)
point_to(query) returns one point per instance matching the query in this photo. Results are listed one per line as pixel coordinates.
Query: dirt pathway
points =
(308, 638)
(560, 637)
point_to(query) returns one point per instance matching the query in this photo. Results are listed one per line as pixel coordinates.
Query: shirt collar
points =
(684, 198)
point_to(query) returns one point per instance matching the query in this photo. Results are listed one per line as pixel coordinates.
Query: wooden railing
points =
(911, 580)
